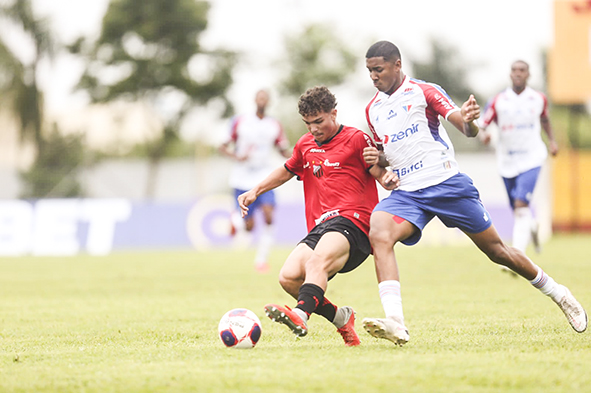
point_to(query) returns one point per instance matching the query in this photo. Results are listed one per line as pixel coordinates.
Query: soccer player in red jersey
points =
(340, 193)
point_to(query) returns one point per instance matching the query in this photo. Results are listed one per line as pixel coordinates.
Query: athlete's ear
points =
(333, 114)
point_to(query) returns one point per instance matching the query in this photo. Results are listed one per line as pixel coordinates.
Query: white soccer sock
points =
(391, 299)
(522, 228)
(548, 286)
(264, 246)
(301, 313)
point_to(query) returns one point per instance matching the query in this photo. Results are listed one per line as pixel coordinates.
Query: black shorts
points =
(360, 247)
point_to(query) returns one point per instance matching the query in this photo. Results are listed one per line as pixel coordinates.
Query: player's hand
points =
(390, 181)
(470, 110)
(371, 155)
(245, 200)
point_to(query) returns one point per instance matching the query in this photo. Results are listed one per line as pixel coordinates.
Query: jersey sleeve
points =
(374, 134)
(490, 113)
(295, 163)
(544, 113)
(233, 131)
(281, 141)
(362, 141)
(438, 100)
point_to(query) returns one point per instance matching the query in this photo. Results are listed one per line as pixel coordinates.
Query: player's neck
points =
(397, 84)
(260, 114)
(519, 89)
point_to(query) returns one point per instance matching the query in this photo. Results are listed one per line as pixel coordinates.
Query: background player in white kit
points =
(519, 111)
(404, 116)
(253, 137)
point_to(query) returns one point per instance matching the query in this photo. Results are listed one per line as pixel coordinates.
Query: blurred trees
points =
(447, 69)
(55, 161)
(18, 79)
(53, 173)
(314, 57)
(149, 52)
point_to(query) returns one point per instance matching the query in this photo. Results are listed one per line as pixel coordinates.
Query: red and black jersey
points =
(336, 178)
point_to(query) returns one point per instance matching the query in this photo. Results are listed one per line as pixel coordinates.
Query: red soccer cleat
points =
(286, 316)
(348, 329)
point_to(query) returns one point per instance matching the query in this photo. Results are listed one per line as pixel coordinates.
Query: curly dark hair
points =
(316, 100)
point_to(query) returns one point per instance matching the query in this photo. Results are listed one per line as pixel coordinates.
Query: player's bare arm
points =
(388, 179)
(552, 145)
(228, 151)
(465, 119)
(373, 156)
(274, 180)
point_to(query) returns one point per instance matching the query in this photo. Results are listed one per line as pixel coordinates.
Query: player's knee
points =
(379, 238)
(289, 284)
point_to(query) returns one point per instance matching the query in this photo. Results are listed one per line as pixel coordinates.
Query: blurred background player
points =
(253, 138)
(339, 192)
(519, 111)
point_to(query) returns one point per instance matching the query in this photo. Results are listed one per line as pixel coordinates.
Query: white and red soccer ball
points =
(240, 328)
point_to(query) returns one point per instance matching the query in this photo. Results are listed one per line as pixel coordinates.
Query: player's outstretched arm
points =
(274, 180)
(465, 119)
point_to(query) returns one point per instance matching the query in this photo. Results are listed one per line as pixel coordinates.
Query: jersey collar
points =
(331, 138)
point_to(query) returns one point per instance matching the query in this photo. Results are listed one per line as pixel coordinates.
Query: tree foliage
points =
(18, 79)
(446, 69)
(316, 57)
(149, 51)
(150, 44)
(54, 171)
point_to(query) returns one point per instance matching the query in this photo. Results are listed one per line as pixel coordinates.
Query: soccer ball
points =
(240, 328)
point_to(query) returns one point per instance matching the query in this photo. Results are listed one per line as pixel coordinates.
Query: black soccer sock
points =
(327, 310)
(309, 298)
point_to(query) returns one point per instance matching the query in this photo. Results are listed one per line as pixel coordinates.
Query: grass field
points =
(147, 322)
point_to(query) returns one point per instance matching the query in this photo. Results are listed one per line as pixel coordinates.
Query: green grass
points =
(147, 322)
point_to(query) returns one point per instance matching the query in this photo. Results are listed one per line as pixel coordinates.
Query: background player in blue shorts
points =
(252, 139)
(520, 114)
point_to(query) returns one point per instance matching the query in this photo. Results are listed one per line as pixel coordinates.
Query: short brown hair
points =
(316, 100)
